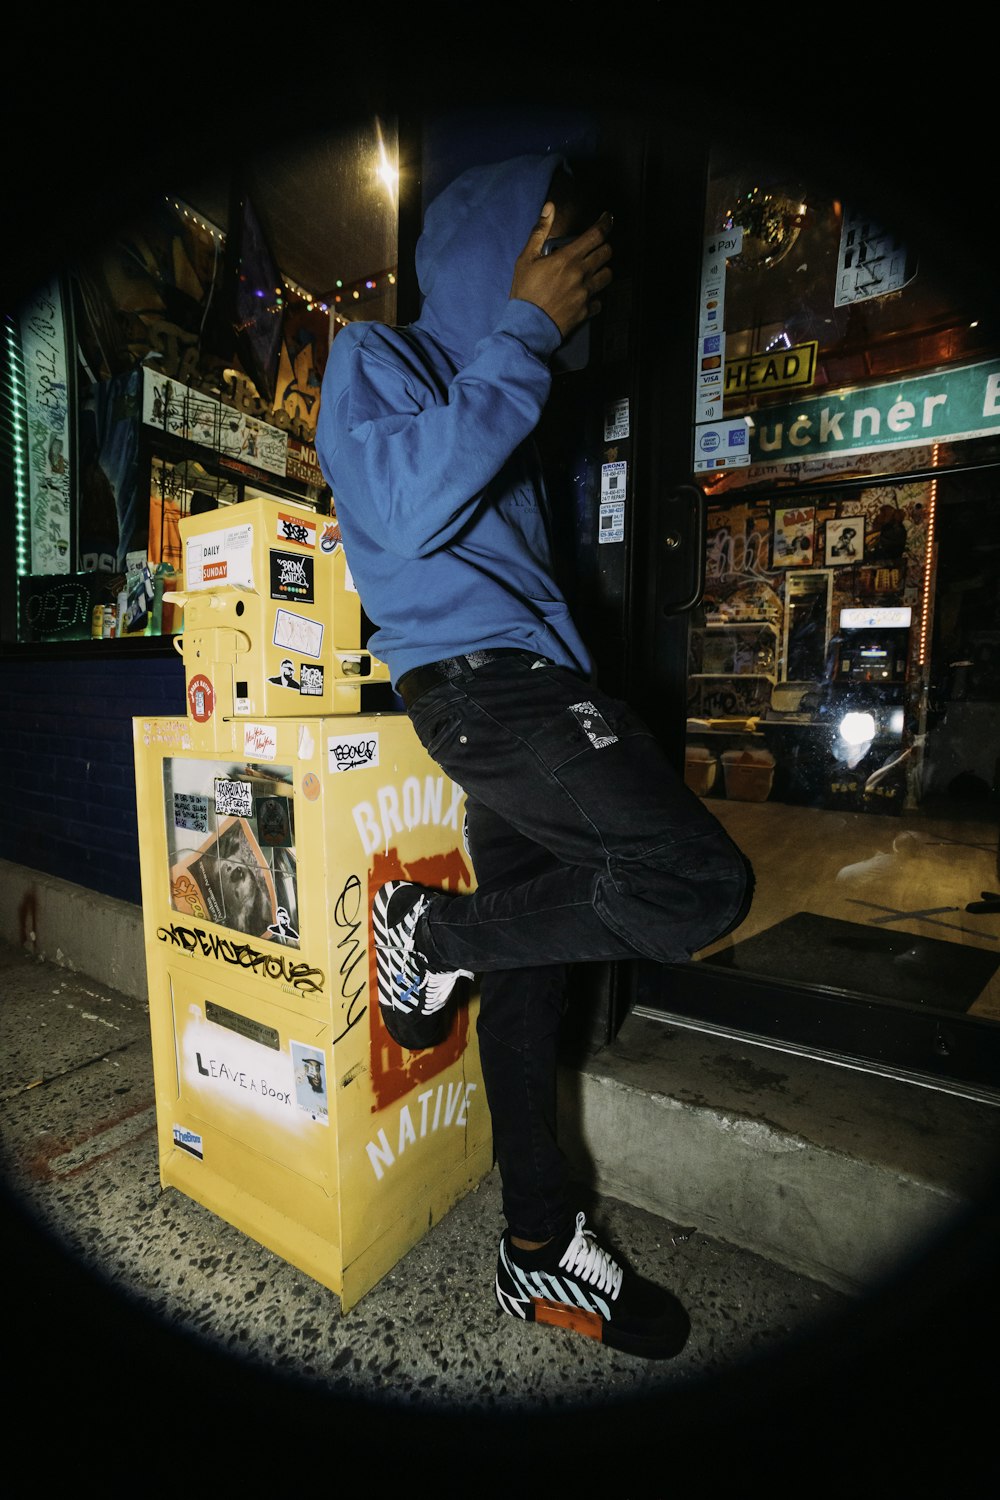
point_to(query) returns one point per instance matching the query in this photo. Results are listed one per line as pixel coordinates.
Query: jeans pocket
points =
(437, 719)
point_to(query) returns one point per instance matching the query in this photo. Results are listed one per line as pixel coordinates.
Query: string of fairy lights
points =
(343, 295)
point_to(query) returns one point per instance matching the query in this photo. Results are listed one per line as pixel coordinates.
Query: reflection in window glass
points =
(829, 325)
(843, 678)
(178, 369)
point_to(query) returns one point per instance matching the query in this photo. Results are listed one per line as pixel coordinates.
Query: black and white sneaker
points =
(581, 1286)
(412, 997)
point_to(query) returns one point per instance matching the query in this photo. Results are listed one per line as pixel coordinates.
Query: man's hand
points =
(566, 283)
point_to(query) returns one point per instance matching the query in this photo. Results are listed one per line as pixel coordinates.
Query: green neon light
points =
(18, 404)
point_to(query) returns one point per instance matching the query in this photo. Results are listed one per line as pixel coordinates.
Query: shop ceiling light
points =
(857, 729)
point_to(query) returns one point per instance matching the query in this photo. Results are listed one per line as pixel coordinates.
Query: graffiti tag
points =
(346, 918)
(303, 976)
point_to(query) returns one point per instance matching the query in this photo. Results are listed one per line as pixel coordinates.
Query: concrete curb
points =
(76, 928)
(847, 1221)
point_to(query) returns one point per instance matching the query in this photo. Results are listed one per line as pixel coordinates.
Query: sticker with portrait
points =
(227, 880)
(309, 1065)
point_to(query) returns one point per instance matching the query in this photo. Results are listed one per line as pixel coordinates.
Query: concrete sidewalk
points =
(145, 1302)
(80, 1150)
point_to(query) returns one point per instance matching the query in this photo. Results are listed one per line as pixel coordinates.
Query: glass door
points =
(842, 668)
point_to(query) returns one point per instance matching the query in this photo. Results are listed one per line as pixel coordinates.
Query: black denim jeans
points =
(586, 845)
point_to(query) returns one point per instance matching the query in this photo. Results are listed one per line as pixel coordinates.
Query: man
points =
(585, 843)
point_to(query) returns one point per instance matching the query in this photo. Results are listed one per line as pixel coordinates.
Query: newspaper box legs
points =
(282, 1103)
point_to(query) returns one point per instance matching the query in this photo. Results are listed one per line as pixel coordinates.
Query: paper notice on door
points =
(614, 482)
(616, 421)
(611, 526)
(614, 487)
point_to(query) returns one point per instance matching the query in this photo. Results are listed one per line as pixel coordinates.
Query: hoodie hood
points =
(473, 233)
(425, 438)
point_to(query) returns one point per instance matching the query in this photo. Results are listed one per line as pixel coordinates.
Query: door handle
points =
(680, 563)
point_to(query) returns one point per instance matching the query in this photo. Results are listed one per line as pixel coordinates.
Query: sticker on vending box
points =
(299, 529)
(201, 698)
(352, 752)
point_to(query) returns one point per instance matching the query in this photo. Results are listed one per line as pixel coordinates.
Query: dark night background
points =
(93, 124)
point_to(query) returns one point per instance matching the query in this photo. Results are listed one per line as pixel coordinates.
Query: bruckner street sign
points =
(937, 406)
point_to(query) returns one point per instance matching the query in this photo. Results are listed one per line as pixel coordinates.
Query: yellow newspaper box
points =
(282, 1103)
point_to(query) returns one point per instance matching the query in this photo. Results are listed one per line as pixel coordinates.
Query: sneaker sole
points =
(414, 1033)
(592, 1326)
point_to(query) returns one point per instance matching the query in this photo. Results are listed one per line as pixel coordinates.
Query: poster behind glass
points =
(231, 846)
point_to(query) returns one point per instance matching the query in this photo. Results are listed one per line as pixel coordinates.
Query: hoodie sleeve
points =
(417, 460)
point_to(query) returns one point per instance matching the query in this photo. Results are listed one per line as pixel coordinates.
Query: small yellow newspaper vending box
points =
(268, 816)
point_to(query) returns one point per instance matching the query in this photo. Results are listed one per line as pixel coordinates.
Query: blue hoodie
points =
(424, 438)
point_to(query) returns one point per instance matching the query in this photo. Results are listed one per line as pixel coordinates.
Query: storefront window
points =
(844, 665)
(178, 369)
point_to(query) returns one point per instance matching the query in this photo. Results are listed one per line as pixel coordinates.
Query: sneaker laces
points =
(440, 986)
(585, 1258)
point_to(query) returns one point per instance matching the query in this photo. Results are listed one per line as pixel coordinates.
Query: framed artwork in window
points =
(793, 537)
(844, 542)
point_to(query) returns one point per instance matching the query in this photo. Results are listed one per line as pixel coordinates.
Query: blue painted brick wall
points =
(68, 771)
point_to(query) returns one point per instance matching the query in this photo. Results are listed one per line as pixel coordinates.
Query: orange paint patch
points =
(576, 1318)
(394, 1069)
